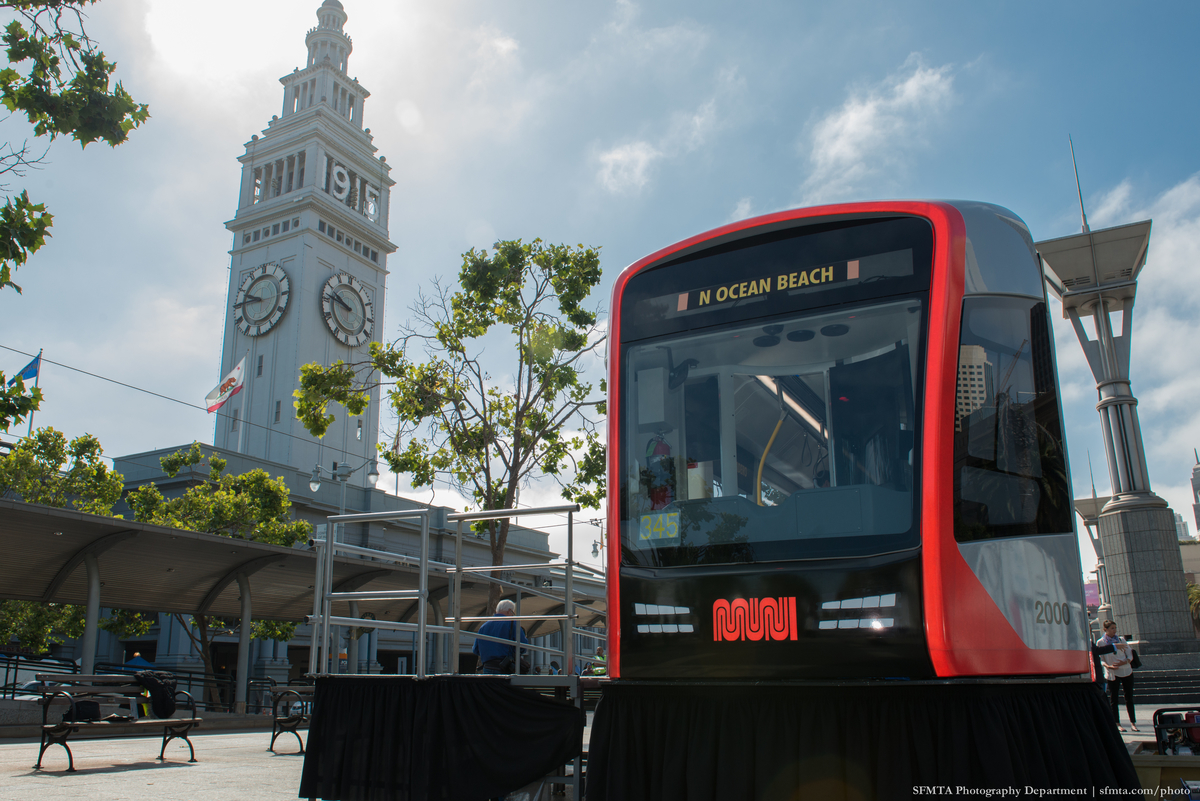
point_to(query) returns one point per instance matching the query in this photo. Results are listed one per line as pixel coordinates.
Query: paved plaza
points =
(231, 766)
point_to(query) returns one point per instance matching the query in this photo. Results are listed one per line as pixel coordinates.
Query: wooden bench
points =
(121, 690)
(290, 721)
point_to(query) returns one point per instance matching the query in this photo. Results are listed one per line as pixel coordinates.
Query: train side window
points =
(1010, 475)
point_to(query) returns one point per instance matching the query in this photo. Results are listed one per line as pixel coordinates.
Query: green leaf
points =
(15, 404)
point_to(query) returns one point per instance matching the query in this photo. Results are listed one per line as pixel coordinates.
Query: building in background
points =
(1196, 491)
(1181, 527)
(307, 281)
(975, 382)
(308, 262)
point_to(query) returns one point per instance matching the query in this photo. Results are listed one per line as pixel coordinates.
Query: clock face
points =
(261, 300)
(348, 310)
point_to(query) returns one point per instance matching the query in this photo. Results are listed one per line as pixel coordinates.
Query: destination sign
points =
(792, 282)
(743, 290)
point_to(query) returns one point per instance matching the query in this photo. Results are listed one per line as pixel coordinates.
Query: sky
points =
(627, 126)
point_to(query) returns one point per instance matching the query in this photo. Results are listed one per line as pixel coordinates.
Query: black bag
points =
(161, 685)
(82, 711)
(506, 665)
(1136, 662)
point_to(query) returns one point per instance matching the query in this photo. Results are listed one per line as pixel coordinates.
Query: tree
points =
(15, 405)
(36, 627)
(60, 81)
(251, 506)
(1193, 597)
(48, 470)
(487, 438)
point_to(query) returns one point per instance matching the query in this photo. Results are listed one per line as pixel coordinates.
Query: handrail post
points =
(517, 635)
(458, 566)
(318, 595)
(569, 607)
(423, 599)
(326, 603)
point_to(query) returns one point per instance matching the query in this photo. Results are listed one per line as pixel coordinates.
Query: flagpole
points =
(36, 376)
(242, 413)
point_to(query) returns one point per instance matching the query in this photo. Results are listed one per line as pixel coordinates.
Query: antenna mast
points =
(1074, 166)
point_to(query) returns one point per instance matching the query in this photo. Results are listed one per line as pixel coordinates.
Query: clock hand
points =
(249, 299)
(338, 298)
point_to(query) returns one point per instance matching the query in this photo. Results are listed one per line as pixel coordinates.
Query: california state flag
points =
(230, 385)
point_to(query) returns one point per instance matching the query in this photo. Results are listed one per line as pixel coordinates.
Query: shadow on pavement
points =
(51, 772)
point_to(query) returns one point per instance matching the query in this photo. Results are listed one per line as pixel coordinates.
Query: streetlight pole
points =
(598, 546)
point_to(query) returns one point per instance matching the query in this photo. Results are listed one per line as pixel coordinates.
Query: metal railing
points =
(320, 660)
(259, 695)
(20, 668)
(568, 599)
(322, 654)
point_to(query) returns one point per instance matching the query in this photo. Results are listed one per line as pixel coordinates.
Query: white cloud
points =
(690, 130)
(626, 167)
(743, 209)
(875, 128)
(626, 13)
(495, 54)
(1114, 205)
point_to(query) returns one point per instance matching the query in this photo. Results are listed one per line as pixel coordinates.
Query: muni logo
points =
(754, 619)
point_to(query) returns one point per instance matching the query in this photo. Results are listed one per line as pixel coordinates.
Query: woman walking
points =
(1118, 672)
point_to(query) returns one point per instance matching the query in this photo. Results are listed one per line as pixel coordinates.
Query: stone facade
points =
(1145, 579)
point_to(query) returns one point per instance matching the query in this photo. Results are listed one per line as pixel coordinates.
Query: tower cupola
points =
(324, 82)
(328, 40)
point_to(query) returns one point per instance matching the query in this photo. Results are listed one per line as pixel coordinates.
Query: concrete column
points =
(1145, 580)
(175, 650)
(270, 661)
(243, 663)
(109, 648)
(1139, 546)
(92, 617)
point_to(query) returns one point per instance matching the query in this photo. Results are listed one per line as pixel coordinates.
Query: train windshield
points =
(756, 442)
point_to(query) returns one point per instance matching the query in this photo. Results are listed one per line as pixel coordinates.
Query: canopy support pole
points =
(92, 617)
(243, 663)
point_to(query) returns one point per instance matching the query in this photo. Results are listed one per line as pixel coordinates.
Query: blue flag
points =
(30, 370)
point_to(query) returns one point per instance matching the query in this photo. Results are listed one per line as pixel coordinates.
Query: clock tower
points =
(309, 259)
